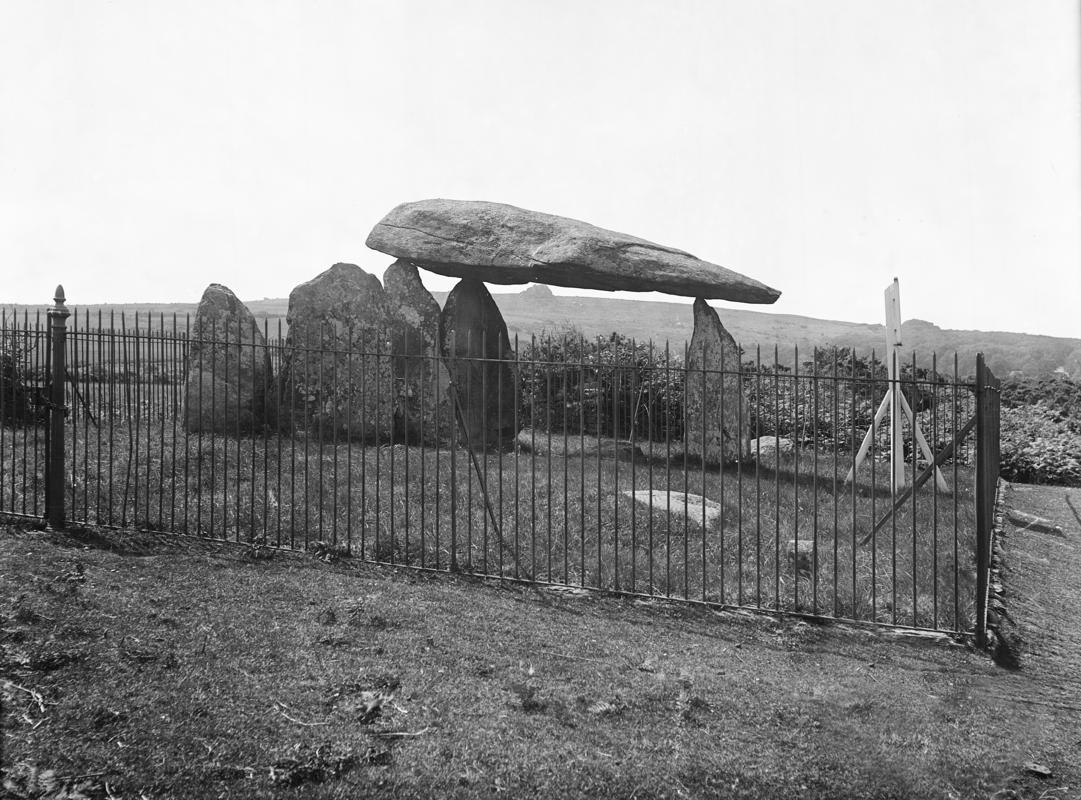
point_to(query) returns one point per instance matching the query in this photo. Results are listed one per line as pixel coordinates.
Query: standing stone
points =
(336, 377)
(717, 411)
(423, 411)
(229, 373)
(478, 356)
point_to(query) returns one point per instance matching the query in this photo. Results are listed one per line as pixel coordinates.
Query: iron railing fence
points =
(564, 461)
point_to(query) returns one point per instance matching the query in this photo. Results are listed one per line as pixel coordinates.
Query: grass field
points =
(145, 665)
(554, 519)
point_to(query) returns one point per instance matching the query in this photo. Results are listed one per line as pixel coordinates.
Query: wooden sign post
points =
(895, 404)
(893, 391)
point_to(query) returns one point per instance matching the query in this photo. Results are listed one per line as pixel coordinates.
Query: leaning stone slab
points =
(575, 444)
(718, 413)
(499, 243)
(674, 503)
(423, 410)
(228, 369)
(336, 380)
(477, 352)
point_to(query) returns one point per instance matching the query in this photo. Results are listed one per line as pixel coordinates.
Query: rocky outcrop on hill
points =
(499, 243)
(228, 369)
(337, 379)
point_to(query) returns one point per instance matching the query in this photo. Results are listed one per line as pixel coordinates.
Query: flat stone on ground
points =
(674, 503)
(575, 444)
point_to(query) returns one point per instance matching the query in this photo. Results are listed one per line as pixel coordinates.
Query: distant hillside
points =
(534, 311)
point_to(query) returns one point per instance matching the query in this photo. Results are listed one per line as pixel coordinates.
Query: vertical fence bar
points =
(39, 356)
(652, 435)
(616, 382)
(913, 407)
(8, 371)
(71, 368)
(685, 421)
(599, 432)
(776, 485)
(934, 495)
(199, 439)
(720, 454)
(853, 419)
(225, 434)
(667, 474)
(8, 367)
(985, 486)
(814, 481)
(796, 450)
(835, 400)
(874, 494)
(533, 455)
(956, 493)
(517, 449)
(566, 470)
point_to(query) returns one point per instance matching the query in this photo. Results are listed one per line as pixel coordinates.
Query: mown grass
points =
(145, 665)
(554, 519)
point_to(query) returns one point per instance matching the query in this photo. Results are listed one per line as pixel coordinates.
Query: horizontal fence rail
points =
(603, 464)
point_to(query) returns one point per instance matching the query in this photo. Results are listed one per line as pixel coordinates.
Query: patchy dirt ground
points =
(138, 666)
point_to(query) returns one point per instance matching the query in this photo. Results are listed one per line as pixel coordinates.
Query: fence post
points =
(985, 487)
(54, 485)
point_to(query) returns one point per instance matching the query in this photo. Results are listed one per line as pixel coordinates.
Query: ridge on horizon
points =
(527, 313)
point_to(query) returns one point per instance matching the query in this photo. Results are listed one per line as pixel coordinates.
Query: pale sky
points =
(148, 149)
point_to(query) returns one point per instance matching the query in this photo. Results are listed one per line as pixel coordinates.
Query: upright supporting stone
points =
(336, 379)
(718, 419)
(423, 411)
(229, 371)
(478, 356)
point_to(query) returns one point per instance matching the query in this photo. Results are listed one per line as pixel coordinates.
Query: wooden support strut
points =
(932, 468)
(460, 415)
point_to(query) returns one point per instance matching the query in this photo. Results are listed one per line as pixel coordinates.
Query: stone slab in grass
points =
(575, 445)
(700, 510)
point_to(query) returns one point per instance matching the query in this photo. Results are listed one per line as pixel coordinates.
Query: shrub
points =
(1040, 444)
(16, 392)
(1059, 394)
(613, 387)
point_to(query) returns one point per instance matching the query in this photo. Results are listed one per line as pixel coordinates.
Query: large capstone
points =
(228, 368)
(336, 379)
(499, 243)
(478, 356)
(718, 419)
(423, 411)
